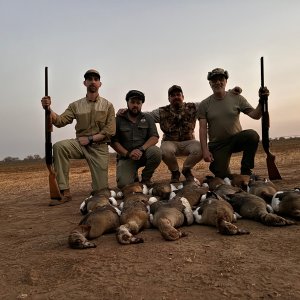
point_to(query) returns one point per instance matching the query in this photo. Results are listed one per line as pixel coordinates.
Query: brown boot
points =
(65, 197)
(188, 174)
(175, 176)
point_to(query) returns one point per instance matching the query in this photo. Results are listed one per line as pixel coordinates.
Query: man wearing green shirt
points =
(219, 120)
(95, 124)
(135, 142)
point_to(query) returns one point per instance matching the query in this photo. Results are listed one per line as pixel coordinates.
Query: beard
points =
(134, 113)
(92, 89)
(177, 104)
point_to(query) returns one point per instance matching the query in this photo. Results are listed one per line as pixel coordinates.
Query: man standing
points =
(95, 117)
(177, 121)
(135, 140)
(219, 118)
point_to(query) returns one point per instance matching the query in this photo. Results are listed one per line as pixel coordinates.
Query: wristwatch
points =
(142, 149)
(90, 139)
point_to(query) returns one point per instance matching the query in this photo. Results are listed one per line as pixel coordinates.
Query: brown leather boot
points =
(65, 197)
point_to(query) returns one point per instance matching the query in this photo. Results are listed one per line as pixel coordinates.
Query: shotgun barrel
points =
(265, 125)
(53, 186)
(48, 126)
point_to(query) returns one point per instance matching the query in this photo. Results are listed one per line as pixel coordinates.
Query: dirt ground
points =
(36, 262)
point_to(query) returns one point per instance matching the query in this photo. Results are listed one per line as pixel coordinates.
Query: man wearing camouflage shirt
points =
(177, 121)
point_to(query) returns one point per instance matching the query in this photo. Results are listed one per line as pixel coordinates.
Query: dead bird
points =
(193, 192)
(287, 203)
(167, 216)
(133, 188)
(225, 190)
(240, 181)
(100, 198)
(212, 182)
(134, 216)
(263, 188)
(97, 222)
(252, 207)
(162, 190)
(217, 212)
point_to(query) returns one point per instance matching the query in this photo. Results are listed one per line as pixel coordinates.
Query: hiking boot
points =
(246, 171)
(188, 174)
(65, 197)
(175, 176)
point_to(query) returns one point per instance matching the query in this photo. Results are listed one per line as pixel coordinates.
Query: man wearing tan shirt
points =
(95, 117)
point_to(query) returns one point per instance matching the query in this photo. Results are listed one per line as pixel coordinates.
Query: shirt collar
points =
(89, 101)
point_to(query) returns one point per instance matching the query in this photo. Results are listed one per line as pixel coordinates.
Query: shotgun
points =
(53, 186)
(265, 125)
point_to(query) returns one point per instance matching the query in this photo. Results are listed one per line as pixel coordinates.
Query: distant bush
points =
(10, 159)
(33, 157)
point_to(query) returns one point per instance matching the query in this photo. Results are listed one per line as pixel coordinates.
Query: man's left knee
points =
(155, 152)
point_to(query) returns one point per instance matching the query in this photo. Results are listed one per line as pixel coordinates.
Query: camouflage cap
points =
(217, 71)
(91, 72)
(135, 94)
(174, 88)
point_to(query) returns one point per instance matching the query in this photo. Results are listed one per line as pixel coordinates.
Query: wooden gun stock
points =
(53, 186)
(265, 125)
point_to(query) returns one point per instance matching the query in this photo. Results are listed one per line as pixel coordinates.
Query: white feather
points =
(113, 193)
(275, 201)
(172, 195)
(187, 211)
(113, 201)
(117, 210)
(145, 189)
(197, 216)
(227, 181)
(152, 200)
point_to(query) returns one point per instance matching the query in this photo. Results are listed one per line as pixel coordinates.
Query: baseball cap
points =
(135, 94)
(217, 71)
(174, 88)
(91, 72)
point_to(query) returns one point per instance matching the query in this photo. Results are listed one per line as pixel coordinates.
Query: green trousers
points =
(127, 168)
(245, 141)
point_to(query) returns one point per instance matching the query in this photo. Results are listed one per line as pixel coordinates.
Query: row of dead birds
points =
(216, 202)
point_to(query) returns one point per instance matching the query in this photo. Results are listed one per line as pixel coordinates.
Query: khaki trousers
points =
(171, 149)
(96, 156)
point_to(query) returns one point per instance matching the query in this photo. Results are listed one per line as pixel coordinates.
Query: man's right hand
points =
(46, 102)
(121, 111)
(136, 154)
(236, 90)
(207, 156)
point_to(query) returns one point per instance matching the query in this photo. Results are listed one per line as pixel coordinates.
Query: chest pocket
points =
(142, 129)
(100, 118)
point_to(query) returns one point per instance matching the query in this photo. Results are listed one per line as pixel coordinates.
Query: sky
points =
(147, 45)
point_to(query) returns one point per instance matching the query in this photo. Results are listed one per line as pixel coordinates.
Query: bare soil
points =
(36, 262)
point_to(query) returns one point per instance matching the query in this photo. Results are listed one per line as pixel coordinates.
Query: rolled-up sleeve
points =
(109, 129)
